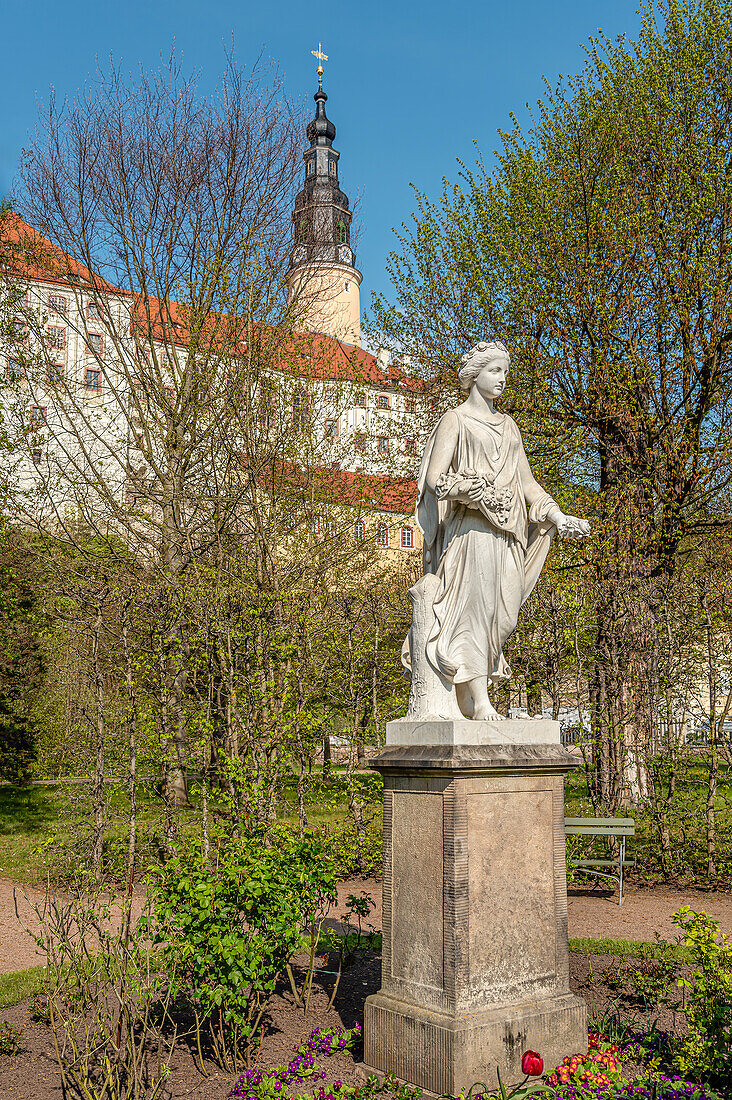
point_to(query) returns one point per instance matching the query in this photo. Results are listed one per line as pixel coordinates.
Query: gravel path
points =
(645, 912)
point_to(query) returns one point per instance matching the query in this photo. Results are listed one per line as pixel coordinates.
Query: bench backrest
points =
(600, 826)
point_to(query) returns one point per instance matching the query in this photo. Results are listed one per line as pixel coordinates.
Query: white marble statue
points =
(487, 526)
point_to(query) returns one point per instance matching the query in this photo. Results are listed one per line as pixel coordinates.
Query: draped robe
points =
(485, 568)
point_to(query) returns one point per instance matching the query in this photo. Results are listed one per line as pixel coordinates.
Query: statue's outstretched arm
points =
(567, 526)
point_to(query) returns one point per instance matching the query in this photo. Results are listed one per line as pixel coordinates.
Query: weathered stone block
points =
(475, 965)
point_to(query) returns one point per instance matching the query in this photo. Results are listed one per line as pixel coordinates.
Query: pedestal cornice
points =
(481, 759)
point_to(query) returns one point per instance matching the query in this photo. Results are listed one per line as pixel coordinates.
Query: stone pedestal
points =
(475, 966)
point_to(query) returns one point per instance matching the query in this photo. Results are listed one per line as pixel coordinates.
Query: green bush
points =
(228, 925)
(706, 1053)
(355, 851)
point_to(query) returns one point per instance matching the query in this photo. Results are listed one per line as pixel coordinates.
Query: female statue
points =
(475, 487)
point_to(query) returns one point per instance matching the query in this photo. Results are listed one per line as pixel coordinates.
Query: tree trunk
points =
(132, 768)
(625, 702)
(98, 787)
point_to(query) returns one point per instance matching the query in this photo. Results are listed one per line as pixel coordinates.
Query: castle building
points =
(324, 280)
(72, 381)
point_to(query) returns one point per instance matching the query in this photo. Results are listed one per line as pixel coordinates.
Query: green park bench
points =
(620, 827)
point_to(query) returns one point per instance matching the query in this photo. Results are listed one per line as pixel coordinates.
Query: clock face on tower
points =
(344, 254)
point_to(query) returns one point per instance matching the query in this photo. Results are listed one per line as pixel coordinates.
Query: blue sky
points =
(411, 85)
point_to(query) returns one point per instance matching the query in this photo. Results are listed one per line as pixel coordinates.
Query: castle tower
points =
(324, 281)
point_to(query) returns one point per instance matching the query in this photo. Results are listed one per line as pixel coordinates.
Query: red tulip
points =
(532, 1064)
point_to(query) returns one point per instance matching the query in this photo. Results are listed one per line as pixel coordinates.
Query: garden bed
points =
(32, 1073)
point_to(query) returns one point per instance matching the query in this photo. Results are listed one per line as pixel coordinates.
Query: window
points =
(136, 394)
(93, 380)
(15, 372)
(331, 429)
(94, 342)
(382, 401)
(330, 528)
(55, 374)
(331, 166)
(92, 309)
(347, 285)
(36, 455)
(407, 538)
(359, 443)
(38, 415)
(56, 338)
(382, 534)
(267, 405)
(410, 446)
(19, 333)
(341, 231)
(310, 170)
(58, 304)
(410, 405)
(359, 530)
(300, 411)
(382, 444)
(360, 400)
(331, 393)
(302, 230)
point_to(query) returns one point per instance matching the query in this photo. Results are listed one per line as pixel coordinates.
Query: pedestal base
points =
(445, 1054)
(475, 964)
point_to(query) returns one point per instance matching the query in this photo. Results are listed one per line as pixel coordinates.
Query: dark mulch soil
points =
(33, 1075)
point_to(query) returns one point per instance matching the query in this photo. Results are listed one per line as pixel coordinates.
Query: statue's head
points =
(475, 361)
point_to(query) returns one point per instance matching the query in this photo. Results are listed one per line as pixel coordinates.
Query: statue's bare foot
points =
(486, 712)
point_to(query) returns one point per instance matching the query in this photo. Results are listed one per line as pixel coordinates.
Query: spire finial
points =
(321, 58)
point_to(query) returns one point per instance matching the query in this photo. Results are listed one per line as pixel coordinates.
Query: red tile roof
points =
(357, 489)
(29, 255)
(310, 355)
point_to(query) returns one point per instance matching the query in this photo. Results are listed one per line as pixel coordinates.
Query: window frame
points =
(382, 445)
(38, 421)
(335, 427)
(57, 378)
(301, 417)
(359, 530)
(58, 299)
(408, 533)
(89, 388)
(382, 534)
(56, 337)
(92, 350)
(10, 375)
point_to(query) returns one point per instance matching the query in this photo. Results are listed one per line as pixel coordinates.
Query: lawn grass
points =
(628, 949)
(20, 985)
(46, 831)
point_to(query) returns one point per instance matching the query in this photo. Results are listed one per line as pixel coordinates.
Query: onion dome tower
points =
(323, 280)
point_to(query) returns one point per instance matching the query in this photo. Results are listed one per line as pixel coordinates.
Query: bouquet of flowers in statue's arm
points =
(476, 491)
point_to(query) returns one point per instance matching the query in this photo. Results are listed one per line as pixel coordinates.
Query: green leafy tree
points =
(599, 249)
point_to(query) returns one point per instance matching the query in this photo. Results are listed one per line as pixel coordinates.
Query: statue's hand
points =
(570, 527)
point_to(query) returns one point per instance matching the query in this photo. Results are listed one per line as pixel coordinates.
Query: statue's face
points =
(491, 382)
